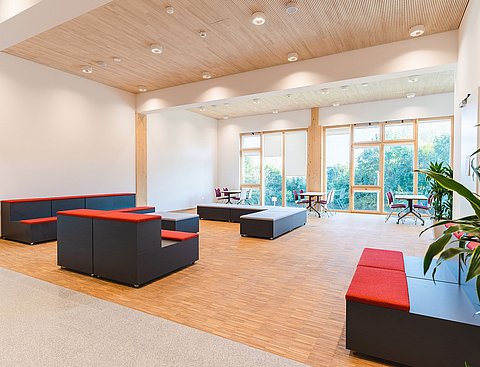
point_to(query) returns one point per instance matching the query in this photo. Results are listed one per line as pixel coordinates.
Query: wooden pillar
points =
(141, 158)
(314, 153)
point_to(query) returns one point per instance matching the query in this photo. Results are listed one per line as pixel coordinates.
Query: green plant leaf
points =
(456, 186)
(474, 267)
(433, 250)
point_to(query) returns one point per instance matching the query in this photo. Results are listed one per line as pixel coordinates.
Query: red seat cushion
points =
(472, 245)
(379, 287)
(106, 195)
(89, 213)
(135, 209)
(127, 217)
(383, 259)
(457, 234)
(39, 220)
(177, 236)
(397, 206)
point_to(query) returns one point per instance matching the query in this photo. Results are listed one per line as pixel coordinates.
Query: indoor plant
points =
(443, 198)
(469, 225)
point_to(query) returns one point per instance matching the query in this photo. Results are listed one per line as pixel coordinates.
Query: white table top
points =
(231, 191)
(312, 193)
(410, 197)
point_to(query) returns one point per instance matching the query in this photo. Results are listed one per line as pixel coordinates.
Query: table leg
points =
(407, 212)
(311, 208)
(228, 199)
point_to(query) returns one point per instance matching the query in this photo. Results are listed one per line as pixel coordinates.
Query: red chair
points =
(302, 196)
(299, 201)
(393, 205)
(427, 207)
(218, 195)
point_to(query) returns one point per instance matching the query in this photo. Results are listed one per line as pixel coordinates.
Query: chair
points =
(301, 192)
(218, 195)
(393, 205)
(298, 200)
(325, 203)
(249, 196)
(423, 207)
(242, 197)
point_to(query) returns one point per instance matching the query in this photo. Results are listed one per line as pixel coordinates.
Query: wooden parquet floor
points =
(284, 296)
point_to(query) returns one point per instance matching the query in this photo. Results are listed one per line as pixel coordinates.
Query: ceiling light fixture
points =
(258, 18)
(411, 95)
(256, 101)
(117, 59)
(156, 49)
(225, 117)
(87, 69)
(292, 56)
(344, 87)
(206, 75)
(170, 10)
(142, 88)
(202, 108)
(291, 7)
(102, 64)
(275, 111)
(325, 91)
(226, 104)
(336, 104)
(364, 84)
(413, 79)
(417, 30)
(202, 34)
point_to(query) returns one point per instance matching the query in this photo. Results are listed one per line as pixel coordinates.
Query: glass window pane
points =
(402, 131)
(295, 164)
(272, 169)
(253, 196)
(250, 141)
(434, 137)
(251, 167)
(367, 161)
(294, 183)
(366, 200)
(398, 171)
(337, 160)
(366, 133)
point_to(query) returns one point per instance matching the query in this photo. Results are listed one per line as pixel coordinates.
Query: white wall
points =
(229, 139)
(467, 81)
(61, 134)
(395, 109)
(182, 159)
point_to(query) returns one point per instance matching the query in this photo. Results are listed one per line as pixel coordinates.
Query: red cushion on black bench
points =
(177, 236)
(383, 259)
(379, 287)
(81, 212)
(126, 210)
(126, 217)
(39, 220)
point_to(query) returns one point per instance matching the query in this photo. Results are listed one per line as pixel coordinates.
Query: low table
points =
(311, 195)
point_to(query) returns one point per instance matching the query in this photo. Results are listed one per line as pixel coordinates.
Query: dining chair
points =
(298, 200)
(426, 208)
(324, 204)
(219, 196)
(393, 206)
(249, 196)
(241, 198)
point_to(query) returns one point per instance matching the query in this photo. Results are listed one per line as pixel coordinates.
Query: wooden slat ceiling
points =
(126, 28)
(433, 83)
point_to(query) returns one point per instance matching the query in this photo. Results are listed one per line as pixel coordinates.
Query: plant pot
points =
(437, 231)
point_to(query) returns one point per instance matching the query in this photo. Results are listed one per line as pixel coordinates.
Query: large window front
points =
(273, 165)
(364, 161)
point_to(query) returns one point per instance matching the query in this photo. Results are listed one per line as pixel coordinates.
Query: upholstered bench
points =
(138, 210)
(409, 319)
(175, 221)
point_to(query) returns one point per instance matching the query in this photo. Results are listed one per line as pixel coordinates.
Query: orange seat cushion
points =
(383, 259)
(125, 210)
(127, 217)
(39, 220)
(88, 213)
(379, 287)
(472, 245)
(177, 236)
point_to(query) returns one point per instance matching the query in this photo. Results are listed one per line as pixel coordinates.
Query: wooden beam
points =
(141, 158)
(314, 155)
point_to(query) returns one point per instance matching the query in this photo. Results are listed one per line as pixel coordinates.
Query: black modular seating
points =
(256, 221)
(128, 248)
(183, 222)
(401, 315)
(34, 220)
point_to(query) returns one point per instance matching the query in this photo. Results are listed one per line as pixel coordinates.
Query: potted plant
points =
(468, 225)
(443, 198)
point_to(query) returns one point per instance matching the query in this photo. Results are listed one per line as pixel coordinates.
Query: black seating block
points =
(110, 202)
(67, 204)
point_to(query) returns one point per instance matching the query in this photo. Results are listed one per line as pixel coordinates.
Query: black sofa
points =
(124, 247)
(34, 220)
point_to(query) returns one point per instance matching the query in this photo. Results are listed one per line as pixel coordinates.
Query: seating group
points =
(395, 312)
(256, 221)
(34, 220)
(122, 246)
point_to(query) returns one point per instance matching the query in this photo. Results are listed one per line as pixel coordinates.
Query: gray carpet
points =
(42, 324)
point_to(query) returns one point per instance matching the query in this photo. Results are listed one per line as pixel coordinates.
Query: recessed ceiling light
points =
(258, 18)
(226, 104)
(206, 75)
(292, 56)
(256, 101)
(225, 117)
(344, 87)
(417, 30)
(102, 64)
(202, 34)
(274, 112)
(413, 79)
(213, 105)
(336, 104)
(202, 108)
(156, 49)
(325, 91)
(117, 59)
(364, 84)
(289, 95)
(291, 7)
(142, 88)
(411, 95)
(170, 10)
(87, 69)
